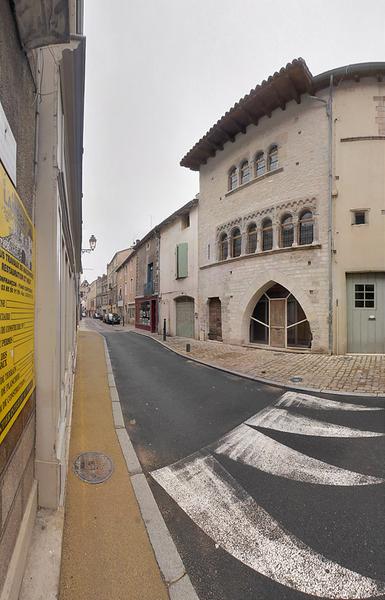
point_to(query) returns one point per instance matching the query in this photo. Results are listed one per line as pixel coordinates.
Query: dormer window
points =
(245, 172)
(233, 179)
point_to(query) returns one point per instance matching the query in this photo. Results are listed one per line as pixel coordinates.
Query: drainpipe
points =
(329, 113)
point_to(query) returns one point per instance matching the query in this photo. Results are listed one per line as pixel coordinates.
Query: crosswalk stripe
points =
(251, 447)
(281, 419)
(223, 509)
(294, 399)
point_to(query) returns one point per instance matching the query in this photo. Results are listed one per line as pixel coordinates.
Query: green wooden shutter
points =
(182, 260)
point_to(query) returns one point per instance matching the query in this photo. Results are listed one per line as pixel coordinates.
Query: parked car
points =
(98, 315)
(112, 318)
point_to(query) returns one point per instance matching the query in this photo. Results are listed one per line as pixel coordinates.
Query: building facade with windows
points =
(147, 281)
(178, 287)
(112, 283)
(42, 71)
(279, 256)
(126, 275)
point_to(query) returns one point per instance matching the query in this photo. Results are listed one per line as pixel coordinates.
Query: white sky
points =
(160, 73)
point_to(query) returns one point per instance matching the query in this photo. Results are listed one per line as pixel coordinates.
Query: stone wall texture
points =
(301, 134)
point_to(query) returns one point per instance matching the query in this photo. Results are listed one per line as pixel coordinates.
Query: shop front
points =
(146, 313)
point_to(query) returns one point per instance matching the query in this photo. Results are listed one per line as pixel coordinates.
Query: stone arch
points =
(258, 286)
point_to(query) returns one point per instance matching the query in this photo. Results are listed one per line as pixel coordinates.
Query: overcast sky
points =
(160, 73)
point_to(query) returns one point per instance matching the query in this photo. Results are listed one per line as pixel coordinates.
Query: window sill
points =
(254, 180)
(262, 254)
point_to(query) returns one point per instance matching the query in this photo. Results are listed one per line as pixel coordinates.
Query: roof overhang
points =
(290, 83)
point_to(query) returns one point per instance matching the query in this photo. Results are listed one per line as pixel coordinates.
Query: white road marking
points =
(282, 420)
(304, 400)
(213, 499)
(251, 447)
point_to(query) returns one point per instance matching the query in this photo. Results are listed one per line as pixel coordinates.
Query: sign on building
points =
(7, 146)
(16, 305)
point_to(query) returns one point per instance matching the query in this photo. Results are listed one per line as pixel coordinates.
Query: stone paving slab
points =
(355, 374)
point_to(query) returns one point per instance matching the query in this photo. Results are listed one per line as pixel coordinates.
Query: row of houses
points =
(284, 246)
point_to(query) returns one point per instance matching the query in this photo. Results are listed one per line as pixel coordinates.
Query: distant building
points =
(112, 266)
(147, 281)
(91, 299)
(126, 282)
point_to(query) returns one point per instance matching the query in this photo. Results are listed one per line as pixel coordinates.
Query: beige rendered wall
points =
(301, 133)
(359, 183)
(170, 286)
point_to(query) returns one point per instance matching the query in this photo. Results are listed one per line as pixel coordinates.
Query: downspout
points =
(329, 112)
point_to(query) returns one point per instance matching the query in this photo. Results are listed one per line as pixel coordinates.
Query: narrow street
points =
(267, 494)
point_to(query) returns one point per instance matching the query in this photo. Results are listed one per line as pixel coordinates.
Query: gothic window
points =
(245, 172)
(251, 238)
(236, 242)
(233, 179)
(267, 234)
(273, 158)
(223, 247)
(287, 231)
(259, 164)
(306, 228)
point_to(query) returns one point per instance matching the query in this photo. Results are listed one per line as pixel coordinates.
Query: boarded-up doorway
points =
(215, 319)
(184, 316)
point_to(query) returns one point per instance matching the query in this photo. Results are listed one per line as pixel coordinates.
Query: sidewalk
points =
(347, 374)
(106, 551)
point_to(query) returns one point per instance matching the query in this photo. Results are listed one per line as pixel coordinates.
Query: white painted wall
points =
(170, 286)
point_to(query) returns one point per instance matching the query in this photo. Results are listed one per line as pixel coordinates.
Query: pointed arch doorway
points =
(279, 321)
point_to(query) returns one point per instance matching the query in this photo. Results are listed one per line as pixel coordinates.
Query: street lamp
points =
(92, 242)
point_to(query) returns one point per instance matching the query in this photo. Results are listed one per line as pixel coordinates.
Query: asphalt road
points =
(287, 507)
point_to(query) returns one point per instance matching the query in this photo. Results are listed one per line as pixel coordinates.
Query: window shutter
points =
(182, 260)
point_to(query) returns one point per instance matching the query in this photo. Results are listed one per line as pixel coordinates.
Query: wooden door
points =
(278, 322)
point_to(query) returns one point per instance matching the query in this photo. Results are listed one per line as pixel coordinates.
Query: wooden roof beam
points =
(253, 118)
(241, 126)
(229, 137)
(281, 101)
(295, 93)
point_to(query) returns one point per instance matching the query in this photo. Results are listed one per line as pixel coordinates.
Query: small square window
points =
(364, 295)
(359, 217)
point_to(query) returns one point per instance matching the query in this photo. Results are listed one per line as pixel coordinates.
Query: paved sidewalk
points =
(106, 551)
(358, 374)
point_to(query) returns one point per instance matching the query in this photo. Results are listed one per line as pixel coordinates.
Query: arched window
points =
(259, 164)
(223, 247)
(233, 178)
(306, 228)
(245, 172)
(236, 242)
(287, 231)
(267, 234)
(273, 159)
(251, 238)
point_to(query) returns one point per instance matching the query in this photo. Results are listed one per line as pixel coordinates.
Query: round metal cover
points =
(296, 379)
(93, 467)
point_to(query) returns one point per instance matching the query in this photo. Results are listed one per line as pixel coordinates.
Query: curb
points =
(167, 556)
(296, 388)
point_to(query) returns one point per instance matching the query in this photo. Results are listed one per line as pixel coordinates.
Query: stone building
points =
(147, 281)
(41, 149)
(83, 291)
(112, 279)
(126, 281)
(91, 298)
(283, 263)
(178, 283)
(101, 299)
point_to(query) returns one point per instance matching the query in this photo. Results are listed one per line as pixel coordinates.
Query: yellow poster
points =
(16, 305)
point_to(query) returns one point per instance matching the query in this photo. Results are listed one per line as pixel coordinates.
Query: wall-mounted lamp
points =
(92, 242)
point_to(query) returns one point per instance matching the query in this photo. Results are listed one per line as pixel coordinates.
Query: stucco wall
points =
(301, 135)
(359, 170)
(146, 254)
(170, 286)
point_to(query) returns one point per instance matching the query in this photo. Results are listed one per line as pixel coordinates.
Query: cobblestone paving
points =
(362, 374)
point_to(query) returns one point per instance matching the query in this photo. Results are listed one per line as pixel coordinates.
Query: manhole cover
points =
(296, 379)
(93, 467)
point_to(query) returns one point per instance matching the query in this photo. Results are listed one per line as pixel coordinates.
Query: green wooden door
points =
(185, 316)
(366, 312)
